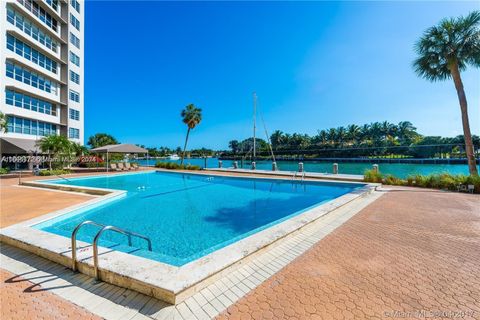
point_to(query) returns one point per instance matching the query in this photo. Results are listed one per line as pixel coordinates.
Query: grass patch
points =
(4, 170)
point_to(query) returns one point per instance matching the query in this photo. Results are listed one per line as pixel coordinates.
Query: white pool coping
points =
(338, 177)
(160, 280)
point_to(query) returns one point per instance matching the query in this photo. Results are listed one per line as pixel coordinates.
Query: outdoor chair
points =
(120, 166)
(135, 166)
(128, 166)
(113, 166)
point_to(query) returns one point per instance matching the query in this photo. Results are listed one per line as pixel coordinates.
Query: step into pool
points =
(188, 216)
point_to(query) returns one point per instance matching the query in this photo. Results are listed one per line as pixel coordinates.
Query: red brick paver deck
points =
(20, 299)
(411, 251)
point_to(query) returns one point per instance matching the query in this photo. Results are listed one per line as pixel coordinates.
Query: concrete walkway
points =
(412, 254)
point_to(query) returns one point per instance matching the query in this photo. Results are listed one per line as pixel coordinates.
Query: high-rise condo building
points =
(42, 73)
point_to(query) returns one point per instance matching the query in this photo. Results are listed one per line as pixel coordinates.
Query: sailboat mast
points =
(254, 124)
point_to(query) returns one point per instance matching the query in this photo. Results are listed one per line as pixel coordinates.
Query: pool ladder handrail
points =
(103, 227)
(73, 238)
(129, 234)
(295, 175)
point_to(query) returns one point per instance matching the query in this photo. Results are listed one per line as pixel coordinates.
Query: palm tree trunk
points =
(472, 166)
(185, 146)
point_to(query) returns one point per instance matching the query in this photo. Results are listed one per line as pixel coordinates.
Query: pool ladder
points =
(104, 228)
(298, 173)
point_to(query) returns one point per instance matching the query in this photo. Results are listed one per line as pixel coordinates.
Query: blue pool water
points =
(188, 216)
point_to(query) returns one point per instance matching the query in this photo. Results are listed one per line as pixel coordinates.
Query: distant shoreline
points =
(368, 160)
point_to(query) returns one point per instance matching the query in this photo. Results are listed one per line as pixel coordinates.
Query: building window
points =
(33, 127)
(74, 59)
(28, 53)
(74, 22)
(40, 13)
(31, 78)
(24, 101)
(75, 5)
(74, 77)
(26, 26)
(74, 114)
(53, 4)
(73, 133)
(74, 40)
(74, 96)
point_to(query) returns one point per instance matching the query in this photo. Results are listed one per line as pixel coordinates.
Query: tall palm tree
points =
(191, 116)
(443, 52)
(100, 140)
(3, 122)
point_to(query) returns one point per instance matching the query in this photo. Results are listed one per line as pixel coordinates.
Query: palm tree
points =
(406, 132)
(443, 52)
(341, 135)
(78, 149)
(55, 146)
(276, 139)
(332, 135)
(100, 140)
(353, 133)
(376, 133)
(365, 135)
(323, 136)
(3, 122)
(191, 116)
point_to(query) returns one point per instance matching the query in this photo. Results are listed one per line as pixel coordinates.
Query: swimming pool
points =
(188, 216)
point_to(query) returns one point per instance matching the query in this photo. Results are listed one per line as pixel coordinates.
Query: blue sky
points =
(314, 65)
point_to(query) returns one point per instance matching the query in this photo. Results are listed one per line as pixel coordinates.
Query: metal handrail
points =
(74, 240)
(127, 233)
(62, 178)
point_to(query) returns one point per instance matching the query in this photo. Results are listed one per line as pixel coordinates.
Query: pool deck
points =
(291, 174)
(405, 250)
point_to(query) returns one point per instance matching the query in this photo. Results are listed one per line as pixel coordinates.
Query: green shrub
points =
(444, 181)
(175, 166)
(53, 172)
(391, 180)
(4, 170)
(372, 176)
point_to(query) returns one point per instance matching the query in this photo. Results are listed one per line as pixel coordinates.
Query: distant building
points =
(42, 74)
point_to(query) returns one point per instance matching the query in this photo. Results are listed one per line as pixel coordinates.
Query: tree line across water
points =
(368, 140)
